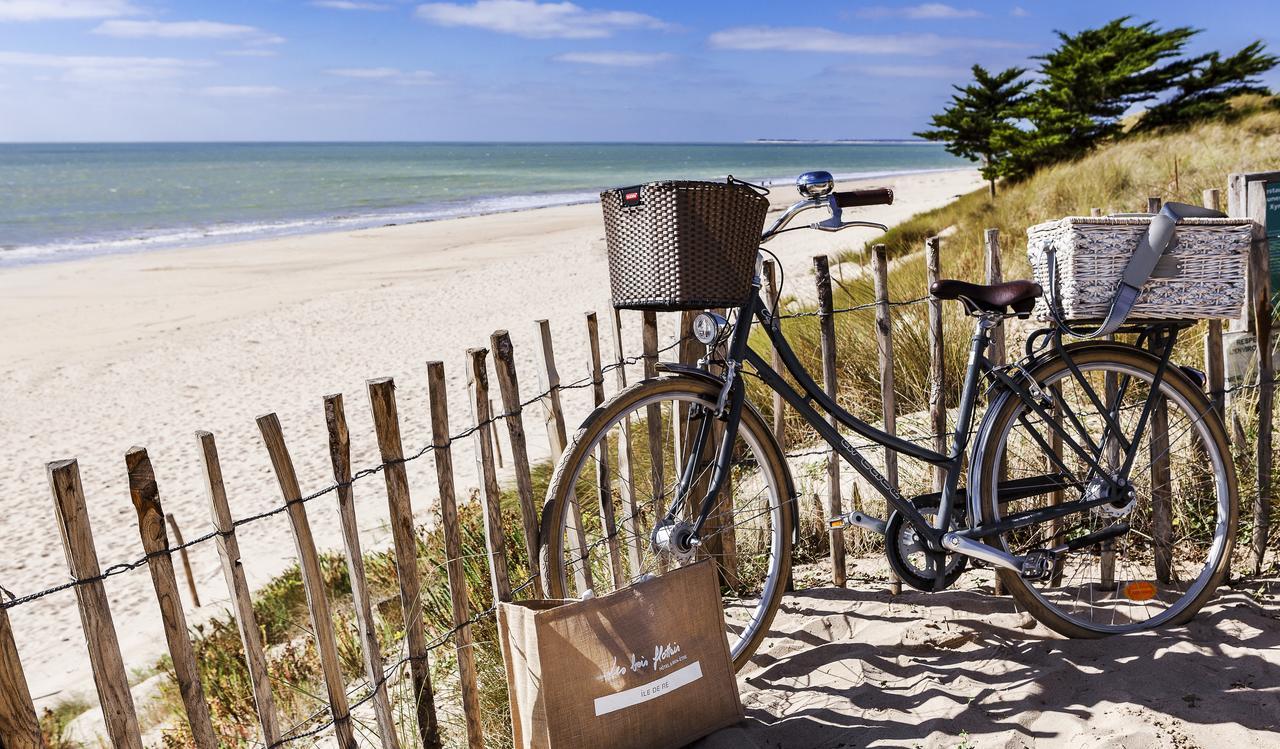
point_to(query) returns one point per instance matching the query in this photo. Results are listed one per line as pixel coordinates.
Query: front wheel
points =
(617, 480)
(1179, 505)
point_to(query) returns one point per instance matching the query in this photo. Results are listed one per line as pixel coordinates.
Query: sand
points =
(145, 349)
(857, 667)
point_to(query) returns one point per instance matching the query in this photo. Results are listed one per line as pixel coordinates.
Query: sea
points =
(67, 201)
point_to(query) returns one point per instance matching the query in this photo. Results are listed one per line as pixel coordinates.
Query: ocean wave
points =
(220, 233)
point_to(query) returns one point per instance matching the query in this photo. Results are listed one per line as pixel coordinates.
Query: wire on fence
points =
(122, 567)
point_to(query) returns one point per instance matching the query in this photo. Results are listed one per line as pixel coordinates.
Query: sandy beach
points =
(145, 349)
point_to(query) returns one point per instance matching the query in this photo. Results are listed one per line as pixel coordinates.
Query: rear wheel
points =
(616, 481)
(1181, 513)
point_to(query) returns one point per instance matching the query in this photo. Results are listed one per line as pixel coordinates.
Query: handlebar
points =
(869, 196)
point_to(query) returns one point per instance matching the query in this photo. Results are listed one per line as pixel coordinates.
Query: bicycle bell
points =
(815, 184)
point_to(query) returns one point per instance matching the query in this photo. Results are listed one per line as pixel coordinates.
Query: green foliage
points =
(978, 123)
(1206, 91)
(1084, 89)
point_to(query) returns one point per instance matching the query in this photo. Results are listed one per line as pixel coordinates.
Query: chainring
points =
(906, 550)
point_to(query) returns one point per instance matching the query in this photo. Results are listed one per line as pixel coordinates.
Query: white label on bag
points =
(645, 692)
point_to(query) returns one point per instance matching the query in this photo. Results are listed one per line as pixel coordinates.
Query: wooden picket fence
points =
(18, 722)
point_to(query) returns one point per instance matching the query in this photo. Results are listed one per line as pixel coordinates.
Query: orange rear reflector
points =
(1140, 590)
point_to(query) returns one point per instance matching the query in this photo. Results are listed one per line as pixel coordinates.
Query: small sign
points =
(1272, 191)
(1239, 350)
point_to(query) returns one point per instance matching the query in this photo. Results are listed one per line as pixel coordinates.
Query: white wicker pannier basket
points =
(1200, 276)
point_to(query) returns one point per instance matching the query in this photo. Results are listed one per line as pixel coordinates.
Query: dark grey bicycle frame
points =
(952, 464)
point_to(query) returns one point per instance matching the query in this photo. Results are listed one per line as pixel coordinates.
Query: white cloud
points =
(249, 52)
(912, 71)
(535, 20)
(241, 91)
(186, 30)
(93, 69)
(391, 75)
(925, 12)
(349, 5)
(616, 59)
(800, 39)
(63, 10)
(1019, 12)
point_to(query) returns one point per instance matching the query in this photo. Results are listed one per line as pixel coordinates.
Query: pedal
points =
(1037, 564)
(859, 519)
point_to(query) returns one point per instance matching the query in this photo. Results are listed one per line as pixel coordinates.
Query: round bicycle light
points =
(707, 327)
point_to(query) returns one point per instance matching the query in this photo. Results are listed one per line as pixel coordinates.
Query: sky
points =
(527, 70)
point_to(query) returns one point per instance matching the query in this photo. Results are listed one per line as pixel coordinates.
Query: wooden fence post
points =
(109, 675)
(604, 478)
(1214, 358)
(312, 579)
(773, 299)
(994, 274)
(504, 365)
(635, 549)
(146, 501)
(335, 419)
(238, 589)
(172, 522)
(491, 494)
(884, 350)
(19, 727)
(553, 417)
(653, 418)
(443, 455)
(827, 324)
(1253, 204)
(937, 364)
(386, 423)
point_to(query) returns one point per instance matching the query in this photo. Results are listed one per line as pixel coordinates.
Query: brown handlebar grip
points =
(869, 196)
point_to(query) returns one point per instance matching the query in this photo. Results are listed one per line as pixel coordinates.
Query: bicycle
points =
(1099, 482)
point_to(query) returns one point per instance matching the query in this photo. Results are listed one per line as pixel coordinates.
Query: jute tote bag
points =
(645, 666)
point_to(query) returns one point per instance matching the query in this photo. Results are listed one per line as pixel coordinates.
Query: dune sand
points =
(857, 667)
(106, 353)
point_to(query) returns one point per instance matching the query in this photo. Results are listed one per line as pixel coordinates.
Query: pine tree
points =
(1206, 91)
(1089, 81)
(979, 120)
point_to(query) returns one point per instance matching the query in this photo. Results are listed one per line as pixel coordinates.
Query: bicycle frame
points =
(812, 403)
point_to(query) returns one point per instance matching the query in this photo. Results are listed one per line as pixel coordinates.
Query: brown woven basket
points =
(677, 245)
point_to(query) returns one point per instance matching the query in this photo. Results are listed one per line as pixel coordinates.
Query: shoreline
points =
(217, 235)
(146, 348)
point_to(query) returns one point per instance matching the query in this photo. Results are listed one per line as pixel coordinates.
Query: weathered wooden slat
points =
(1214, 356)
(937, 361)
(491, 494)
(994, 272)
(772, 297)
(827, 328)
(1260, 299)
(238, 589)
(386, 424)
(443, 455)
(19, 726)
(553, 418)
(884, 350)
(653, 413)
(151, 520)
(604, 472)
(335, 419)
(1161, 492)
(504, 365)
(626, 477)
(312, 579)
(109, 675)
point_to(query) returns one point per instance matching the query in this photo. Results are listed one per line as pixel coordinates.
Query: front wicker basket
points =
(1200, 276)
(679, 245)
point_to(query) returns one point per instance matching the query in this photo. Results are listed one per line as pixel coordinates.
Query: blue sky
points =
(697, 70)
